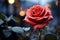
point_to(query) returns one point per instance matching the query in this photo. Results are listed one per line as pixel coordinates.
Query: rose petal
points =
(38, 16)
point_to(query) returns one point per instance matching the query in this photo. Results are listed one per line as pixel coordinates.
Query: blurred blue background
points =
(10, 16)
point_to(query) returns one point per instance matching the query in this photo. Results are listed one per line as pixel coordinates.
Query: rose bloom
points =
(38, 16)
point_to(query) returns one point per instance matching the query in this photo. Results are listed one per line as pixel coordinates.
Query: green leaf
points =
(2, 16)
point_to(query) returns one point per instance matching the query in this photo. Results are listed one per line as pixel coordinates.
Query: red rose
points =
(38, 16)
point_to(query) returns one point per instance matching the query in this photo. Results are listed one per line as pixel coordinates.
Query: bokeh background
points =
(12, 27)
